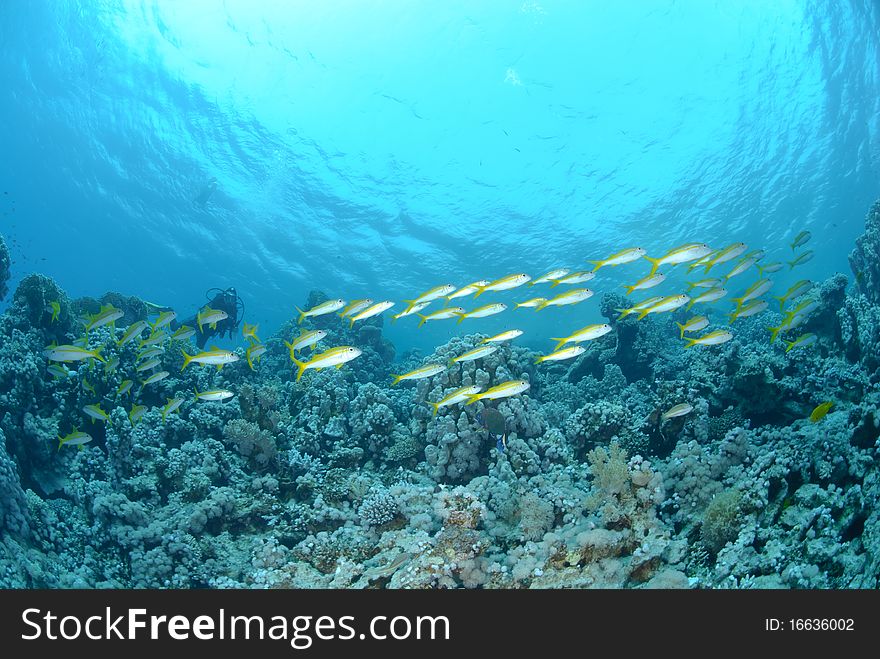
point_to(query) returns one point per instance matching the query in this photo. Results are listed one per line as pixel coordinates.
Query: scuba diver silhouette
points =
(221, 300)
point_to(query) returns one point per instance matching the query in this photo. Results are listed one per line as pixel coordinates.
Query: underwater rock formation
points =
(865, 257)
(5, 263)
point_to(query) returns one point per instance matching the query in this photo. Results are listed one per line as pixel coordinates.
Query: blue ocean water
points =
(155, 152)
(379, 150)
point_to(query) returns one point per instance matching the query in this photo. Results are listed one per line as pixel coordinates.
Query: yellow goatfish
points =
(770, 268)
(56, 310)
(332, 357)
(369, 312)
(154, 378)
(550, 276)
(504, 336)
(409, 311)
(566, 353)
(154, 339)
(803, 308)
(211, 317)
(76, 438)
(431, 295)
(670, 303)
(712, 295)
(801, 239)
(476, 353)
(469, 289)
(503, 390)
(711, 339)
(682, 254)
(705, 283)
(504, 284)
(531, 304)
(250, 332)
(482, 312)
(165, 318)
(354, 307)
(255, 351)
(573, 296)
(625, 256)
(800, 260)
(748, 309)
(727, 254)
(136, 414)
(96, 413)
(694, 324)
(133, 332)
(420, 373)
(677, 410)
(797, 289)
(741, 267)
(214, 395)
(107, 315)
(171, 407)
(213, 357)
(442, 314)
(644, 283)
(588, 333)
(320, 309)
(802, 341)
(68, 353)
(183, 333)
(754, 291)
(788, 323)
(644, 304)
(574, 278)
(457, 396)
(304, 340)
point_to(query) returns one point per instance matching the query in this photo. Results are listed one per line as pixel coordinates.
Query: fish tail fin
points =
(596, 265)
(642, 314)
(690, 343)
(396, 378)
(539, 359)
(196, 389)
(250, 362)
(681, 329)
(60, 442)
(436, 407)
(302, 315)
(460, 318)
(781, 302)
(655, 263)
(690, 304)
(555, 283)
(350, 323)
(479, 292)
(774, 332)
(629, 289)
(739, 302)
(473, 398)
(791, 264)
(300, 366)
(423, 320)
(788, 345)
(708, 267)
(559, 342)
(186, 359)
(623, 313)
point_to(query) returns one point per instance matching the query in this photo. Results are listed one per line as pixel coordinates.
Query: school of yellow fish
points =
(704, 289)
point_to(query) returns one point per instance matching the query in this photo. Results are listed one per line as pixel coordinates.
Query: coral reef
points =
(342, 480)
(5, 264)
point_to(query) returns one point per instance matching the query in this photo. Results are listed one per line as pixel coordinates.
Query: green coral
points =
(721, 521)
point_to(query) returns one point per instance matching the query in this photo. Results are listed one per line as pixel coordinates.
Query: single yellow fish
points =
(566, 353)
(711, 339)
(504, 284)
(801, 239)
(803, 258)
(250, 331)
(750, 308)
(644, 283)
(410, 311)
(820, 411)
(213, 357)
(644, 304)
(670, 303)
(625, 256)
(677, 410)
(503, 390)
(254, 352)
(504, 336)
(574, 278)
(754, 291)
(469, 289)
(588, 333)
(420, 373)
(133, 332)
(369, 312)
(694, 324)
(304, 340)
(172, 406)
(476, 353)
(682, 254)
(531, 304)
(727, 254)
(802, 341)
(550, 276)
(319, 309)
(332, 357)
(354, 307)
(573, 296)
(431, 295)
(712, 295)
(442, 314)
(56, 311)
(76, 438)
(797, 289)
(457, 396)
(483, 312)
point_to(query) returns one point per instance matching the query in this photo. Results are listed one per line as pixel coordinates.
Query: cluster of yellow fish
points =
(698, 255)
(147, 362)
